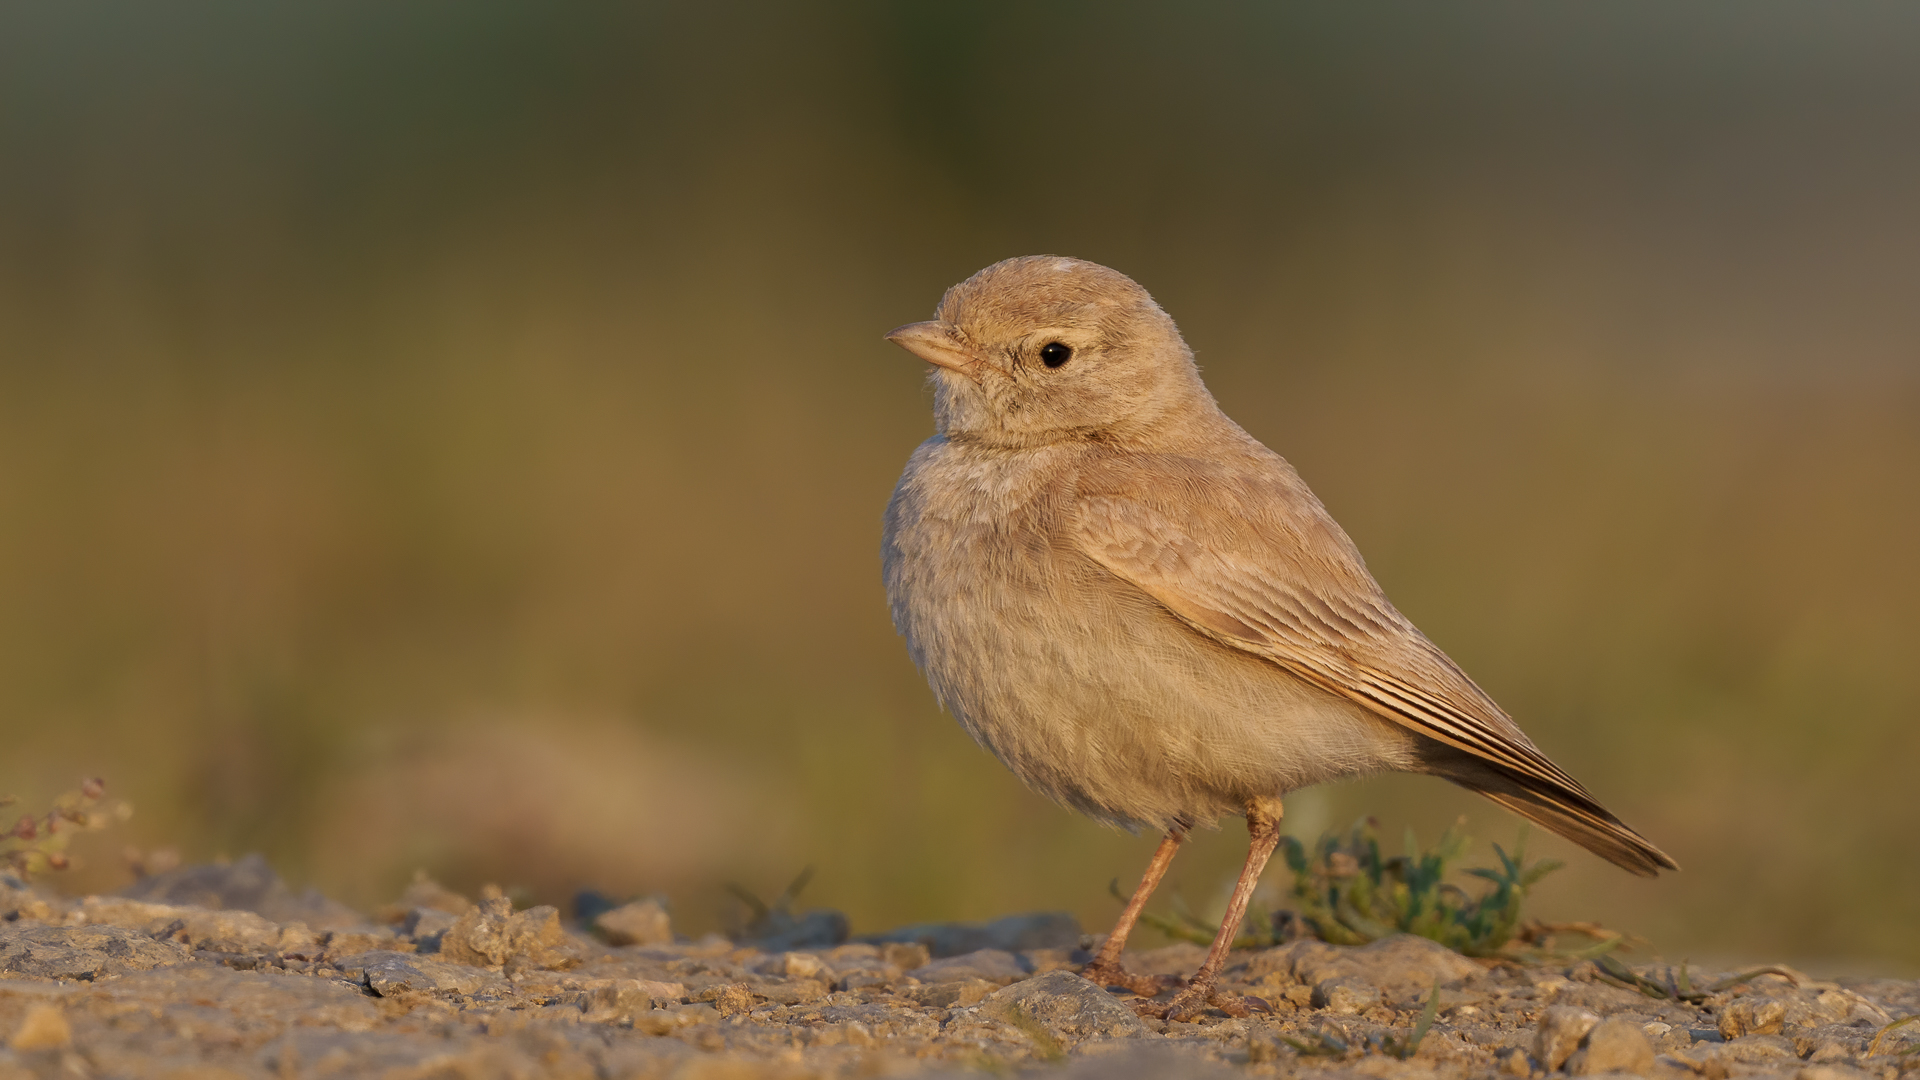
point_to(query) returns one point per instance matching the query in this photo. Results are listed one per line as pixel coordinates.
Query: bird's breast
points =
(1084, 686)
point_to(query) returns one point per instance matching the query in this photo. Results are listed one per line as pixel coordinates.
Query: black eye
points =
(1053, 354)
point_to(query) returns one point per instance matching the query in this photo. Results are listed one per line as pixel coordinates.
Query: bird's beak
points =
(937, 343)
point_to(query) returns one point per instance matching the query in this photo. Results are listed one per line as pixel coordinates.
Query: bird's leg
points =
(1263, 834)
(1105, 969)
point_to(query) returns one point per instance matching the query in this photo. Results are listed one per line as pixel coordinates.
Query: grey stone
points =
(1345, 996)
(422, 892)
(781, 932)
(943, 995)
(643, 922)
(872, 1015)
(135, 914)
(1757, 1050)
(1618, 1045)
(493, 935)
(379, 1053)
(1832, 1042)
(1072, 1009)
(1674, 1038)
(800, 965)
(248, 884)
(1039, 960)
(83, 952)
(612, 1004)
(1747, 1016)
(1831, 1072)
(1561, 1029)
(1135, 1061)
(728, 998)
(340, 944)
(1403, 968)
(993, 965)
(788, 991)
(1015, 933)
(392, 973)
(230, 932)
(427, 927)
(905, 955)
(1848, 1006)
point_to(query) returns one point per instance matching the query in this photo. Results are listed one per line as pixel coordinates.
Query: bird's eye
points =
(1053, 354)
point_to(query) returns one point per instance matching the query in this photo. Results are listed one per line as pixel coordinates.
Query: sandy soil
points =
(221, 971)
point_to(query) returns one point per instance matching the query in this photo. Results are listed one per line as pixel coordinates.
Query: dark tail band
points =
(1571, 813)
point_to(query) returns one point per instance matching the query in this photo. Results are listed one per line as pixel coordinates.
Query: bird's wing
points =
(1249, 557)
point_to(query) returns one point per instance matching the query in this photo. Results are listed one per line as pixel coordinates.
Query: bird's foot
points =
(1189, 1004)
(1105, 975)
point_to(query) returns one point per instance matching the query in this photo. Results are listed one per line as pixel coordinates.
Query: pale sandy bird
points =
(1145, 614)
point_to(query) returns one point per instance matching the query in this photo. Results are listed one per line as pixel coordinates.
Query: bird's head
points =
(1042, 349)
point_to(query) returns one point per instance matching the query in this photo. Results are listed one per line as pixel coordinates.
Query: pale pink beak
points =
(936, 343)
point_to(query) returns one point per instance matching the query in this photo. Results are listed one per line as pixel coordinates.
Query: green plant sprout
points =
(775, 927)
(1880, 1036)
(1679, 986)
(38, 842)
(1348, 893)
(764, 916)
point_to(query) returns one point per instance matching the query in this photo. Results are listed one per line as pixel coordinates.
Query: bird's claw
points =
(1189, 1004)
(1105, 975)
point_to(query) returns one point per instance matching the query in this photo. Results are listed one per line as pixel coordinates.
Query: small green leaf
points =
(1873, 1047)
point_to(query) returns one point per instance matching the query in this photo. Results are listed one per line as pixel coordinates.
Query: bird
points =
(1147, 615)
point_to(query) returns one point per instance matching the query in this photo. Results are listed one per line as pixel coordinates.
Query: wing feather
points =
(1257, 592)
(1244, 553)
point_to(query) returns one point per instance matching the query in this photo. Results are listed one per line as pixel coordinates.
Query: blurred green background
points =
(455, 434)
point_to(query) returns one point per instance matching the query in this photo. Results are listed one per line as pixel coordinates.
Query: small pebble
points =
(1561, 1029)
(1613, 1046)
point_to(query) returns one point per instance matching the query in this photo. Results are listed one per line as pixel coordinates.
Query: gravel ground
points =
(221, 971)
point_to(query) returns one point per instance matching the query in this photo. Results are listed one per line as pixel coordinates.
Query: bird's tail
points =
(1568, 811)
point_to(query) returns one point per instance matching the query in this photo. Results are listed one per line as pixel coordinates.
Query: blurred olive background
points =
(455, 435)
